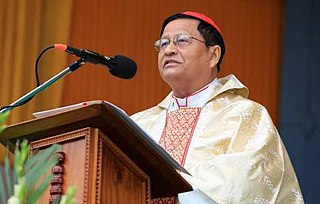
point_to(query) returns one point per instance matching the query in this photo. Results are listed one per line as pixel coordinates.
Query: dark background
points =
(300, 93)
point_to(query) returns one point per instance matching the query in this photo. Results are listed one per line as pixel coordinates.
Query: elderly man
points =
(227, 142)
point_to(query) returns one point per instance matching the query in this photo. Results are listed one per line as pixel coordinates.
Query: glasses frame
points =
(175, 42)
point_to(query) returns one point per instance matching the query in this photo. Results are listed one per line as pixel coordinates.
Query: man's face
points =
(187, 65)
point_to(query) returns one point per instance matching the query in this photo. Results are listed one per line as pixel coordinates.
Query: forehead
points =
(180, 26)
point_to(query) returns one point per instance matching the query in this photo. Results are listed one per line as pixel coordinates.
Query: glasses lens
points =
(157, 45)
(182, 40)
(161, 44)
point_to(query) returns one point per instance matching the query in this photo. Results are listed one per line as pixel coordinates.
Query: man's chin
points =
(170, 76)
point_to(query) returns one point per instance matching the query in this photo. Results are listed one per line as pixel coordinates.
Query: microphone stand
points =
(72, 67)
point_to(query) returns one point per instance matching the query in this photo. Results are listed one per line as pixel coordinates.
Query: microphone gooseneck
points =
(119, 66)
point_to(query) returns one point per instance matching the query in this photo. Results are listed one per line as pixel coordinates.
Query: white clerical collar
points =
(196, 99)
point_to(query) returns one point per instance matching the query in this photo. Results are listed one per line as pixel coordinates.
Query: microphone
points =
(119, 66)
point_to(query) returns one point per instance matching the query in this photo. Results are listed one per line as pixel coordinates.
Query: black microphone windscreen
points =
(122, 67)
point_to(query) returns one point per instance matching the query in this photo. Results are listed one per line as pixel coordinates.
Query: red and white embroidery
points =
(178, 131)
(176, 138)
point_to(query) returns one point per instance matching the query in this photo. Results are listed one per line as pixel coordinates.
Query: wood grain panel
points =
(121, 180)
(252, 31)
(73, 144)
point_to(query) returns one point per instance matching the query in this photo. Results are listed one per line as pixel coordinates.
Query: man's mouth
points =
(168, 63)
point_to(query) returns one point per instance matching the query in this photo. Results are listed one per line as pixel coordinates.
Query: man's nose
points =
(171, 49)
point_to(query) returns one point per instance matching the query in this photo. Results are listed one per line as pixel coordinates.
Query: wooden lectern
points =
(107, 156)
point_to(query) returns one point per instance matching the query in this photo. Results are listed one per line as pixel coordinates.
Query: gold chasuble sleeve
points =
(237, 156)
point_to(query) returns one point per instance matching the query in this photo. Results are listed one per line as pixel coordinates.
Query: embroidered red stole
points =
(176, 138)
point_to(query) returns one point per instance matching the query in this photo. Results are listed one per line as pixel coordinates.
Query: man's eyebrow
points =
(166, 36)
(177, 34)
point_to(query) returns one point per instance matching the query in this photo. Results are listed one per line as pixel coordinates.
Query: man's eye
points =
(164, 43)
(182, 39)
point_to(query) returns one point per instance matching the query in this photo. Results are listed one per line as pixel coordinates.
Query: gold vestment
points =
(236, 154)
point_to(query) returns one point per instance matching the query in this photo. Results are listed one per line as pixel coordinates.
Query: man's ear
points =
(215, 54)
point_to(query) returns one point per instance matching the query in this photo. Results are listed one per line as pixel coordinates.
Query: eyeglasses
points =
(180, 41)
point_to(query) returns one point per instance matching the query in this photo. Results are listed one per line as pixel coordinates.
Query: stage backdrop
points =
(252, 32)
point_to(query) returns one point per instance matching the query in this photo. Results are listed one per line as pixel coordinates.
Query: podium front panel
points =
(101, 172)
